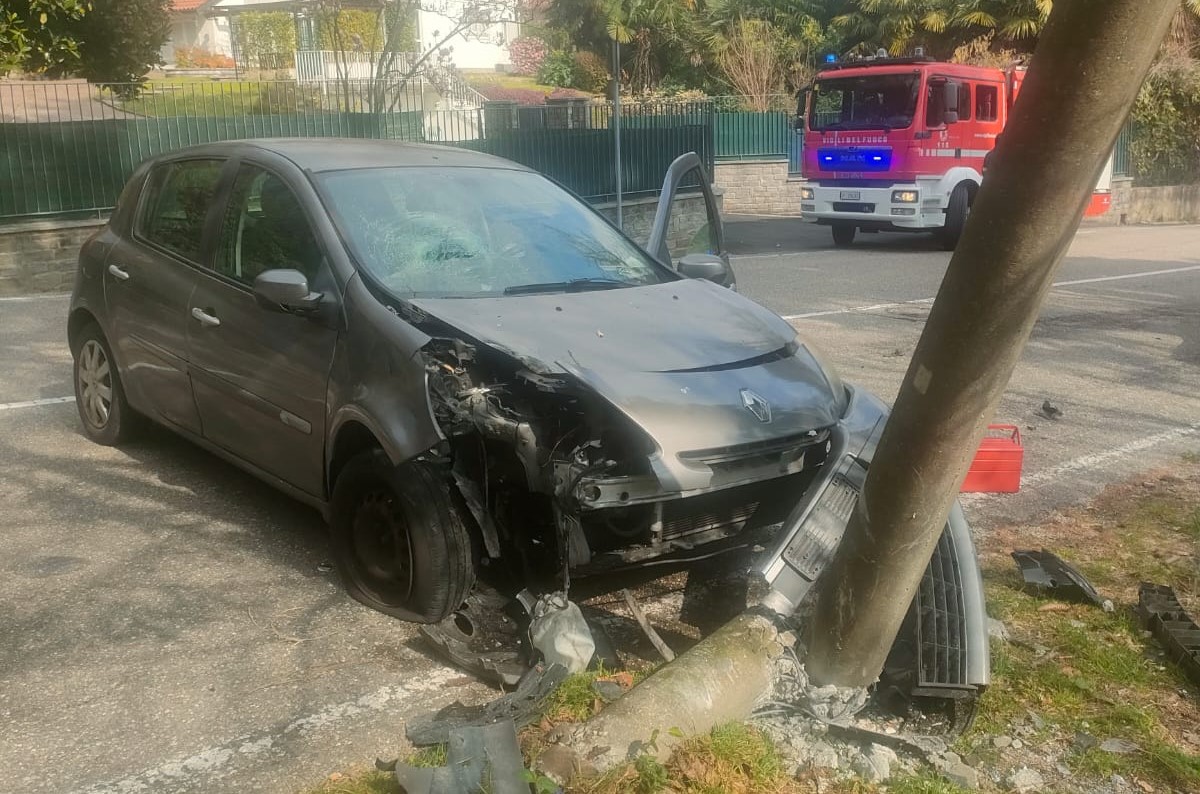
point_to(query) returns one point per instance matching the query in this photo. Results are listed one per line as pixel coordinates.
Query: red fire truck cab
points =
(898, 144)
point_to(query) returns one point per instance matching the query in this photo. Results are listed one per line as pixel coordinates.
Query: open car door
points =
(674, 240)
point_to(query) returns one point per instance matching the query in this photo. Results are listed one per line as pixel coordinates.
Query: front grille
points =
(689, 523)
(941, 620)
(734, 509)
(852, 206)
(755, 450)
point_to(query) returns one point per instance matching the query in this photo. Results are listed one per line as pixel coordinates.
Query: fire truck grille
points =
(852, 206)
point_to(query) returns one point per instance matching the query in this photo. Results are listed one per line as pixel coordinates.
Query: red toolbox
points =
(997, 464)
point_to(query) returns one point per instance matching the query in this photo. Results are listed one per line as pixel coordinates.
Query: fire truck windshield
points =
(880, 101)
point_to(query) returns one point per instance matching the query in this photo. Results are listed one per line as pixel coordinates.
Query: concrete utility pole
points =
(1086, 71)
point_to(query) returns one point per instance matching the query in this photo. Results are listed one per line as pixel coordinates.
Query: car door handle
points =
(118, 273)
(206, 319)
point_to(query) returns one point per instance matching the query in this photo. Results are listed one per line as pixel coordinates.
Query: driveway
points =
(168, 625)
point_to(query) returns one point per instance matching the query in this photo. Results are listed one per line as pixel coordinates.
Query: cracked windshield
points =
(469, 237)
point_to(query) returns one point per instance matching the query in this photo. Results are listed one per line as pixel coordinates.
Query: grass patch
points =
(923, 783)
(731, 759)
(432, 756)
(1086, 671)
(373, 782)
(478, 79)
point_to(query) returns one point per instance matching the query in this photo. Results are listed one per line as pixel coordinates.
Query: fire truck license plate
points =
(850, 195)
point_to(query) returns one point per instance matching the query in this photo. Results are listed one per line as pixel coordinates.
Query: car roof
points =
(338, 154)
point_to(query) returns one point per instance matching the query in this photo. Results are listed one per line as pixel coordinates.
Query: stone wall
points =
(688, 217)
(40, 256)
(1167, 204)
(758, 187)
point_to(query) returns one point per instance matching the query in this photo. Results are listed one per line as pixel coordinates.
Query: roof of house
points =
(188, 5)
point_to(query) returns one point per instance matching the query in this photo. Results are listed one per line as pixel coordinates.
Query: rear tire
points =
(957, 212)
(843, 234)
(104, 412)
(399, 541)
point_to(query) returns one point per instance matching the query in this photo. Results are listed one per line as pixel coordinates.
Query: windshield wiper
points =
(574, 285)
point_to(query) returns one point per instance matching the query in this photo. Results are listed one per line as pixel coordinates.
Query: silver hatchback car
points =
(463, 365)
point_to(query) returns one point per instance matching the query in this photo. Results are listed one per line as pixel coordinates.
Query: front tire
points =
(843, 234)
(957, 212)
(104, 412)
(399, 541)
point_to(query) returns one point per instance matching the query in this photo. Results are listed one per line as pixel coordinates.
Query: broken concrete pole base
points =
(719, 680)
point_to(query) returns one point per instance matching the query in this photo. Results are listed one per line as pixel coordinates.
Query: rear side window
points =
(986, 101)
(177, 201)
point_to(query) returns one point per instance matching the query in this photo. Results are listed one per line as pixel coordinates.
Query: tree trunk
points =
(1086, 71)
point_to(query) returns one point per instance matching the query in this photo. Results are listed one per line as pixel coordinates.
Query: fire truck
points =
(898, 144)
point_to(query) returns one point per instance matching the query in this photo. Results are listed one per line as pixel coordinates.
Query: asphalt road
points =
(164, 622)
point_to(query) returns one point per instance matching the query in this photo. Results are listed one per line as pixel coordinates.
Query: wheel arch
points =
(355, 433)
(79, 318)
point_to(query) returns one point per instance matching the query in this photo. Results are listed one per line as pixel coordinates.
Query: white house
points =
(206, 25)
(192, 28)
(483, 46)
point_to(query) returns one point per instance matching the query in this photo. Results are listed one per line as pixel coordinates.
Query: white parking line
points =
(1055, 285)
(212, 763)
(39, 297)
(36, 403)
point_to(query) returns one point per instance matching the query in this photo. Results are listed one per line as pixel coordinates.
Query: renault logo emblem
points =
(756, 405)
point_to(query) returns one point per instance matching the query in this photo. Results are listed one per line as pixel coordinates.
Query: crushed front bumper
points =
(951, 621)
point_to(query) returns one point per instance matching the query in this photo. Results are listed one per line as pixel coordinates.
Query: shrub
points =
(197, 58)
(527, 54)
(1166, 141)
(591, 72)
(558, 69)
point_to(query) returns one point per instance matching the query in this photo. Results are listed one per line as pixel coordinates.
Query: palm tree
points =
(891, 24)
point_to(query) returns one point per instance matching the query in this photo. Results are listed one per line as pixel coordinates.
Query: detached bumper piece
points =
(1047, 574)
(1162, 615)
(484, 758)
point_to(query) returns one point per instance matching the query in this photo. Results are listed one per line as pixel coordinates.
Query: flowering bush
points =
(196, 58)
(527, 54)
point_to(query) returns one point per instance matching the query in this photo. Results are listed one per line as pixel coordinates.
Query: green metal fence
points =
(1122, 154)
(69, 147)
(747, 135)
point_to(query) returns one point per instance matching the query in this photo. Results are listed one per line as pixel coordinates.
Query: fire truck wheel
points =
(957, 212)
(843, 234)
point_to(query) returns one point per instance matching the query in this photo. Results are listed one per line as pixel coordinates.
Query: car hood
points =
(680, 325)
(687, 361)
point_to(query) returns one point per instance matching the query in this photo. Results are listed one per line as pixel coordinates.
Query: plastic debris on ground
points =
(1176, 631)
(559, 631)
(1047, 574)
(520, 707)
(478, 758)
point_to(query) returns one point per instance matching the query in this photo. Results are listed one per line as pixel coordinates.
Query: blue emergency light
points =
(830, 58)
(854, 159)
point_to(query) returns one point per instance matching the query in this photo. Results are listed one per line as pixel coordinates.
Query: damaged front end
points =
(561, 482)
(586, 452)
(941, 653)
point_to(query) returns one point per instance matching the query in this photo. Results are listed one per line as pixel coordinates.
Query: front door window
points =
(265, 228)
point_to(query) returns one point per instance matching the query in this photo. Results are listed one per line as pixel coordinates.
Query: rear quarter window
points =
(175, 204)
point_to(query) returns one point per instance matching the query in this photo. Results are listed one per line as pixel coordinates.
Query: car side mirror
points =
(706, 266)
(285, 290)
